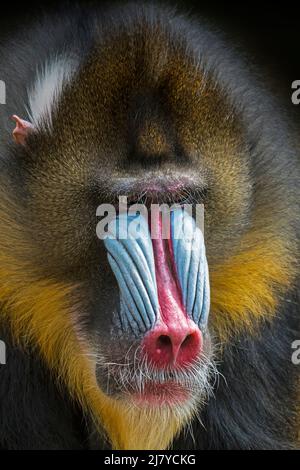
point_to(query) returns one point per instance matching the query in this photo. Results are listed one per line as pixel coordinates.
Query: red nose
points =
(168, 345)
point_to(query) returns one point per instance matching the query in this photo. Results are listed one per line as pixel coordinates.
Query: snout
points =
(171, 346)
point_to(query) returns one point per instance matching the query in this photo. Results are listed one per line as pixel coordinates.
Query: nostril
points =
(163, 342)
(188, 341)
(171, 346)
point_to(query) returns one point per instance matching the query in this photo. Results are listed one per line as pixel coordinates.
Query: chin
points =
(162, 395)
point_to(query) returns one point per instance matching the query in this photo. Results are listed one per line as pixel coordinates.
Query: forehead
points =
(144, 82)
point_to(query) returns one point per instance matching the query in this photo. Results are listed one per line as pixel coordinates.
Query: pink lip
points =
(162, 394)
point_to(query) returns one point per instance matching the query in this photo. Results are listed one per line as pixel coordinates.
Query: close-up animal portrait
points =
(149, 227)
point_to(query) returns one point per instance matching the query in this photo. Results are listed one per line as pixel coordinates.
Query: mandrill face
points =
(162, 316)
(141, 116)
(163, 136)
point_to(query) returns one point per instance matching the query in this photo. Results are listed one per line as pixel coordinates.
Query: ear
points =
(22, 129)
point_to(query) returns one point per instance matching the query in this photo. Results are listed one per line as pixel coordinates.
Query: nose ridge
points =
(169, 346)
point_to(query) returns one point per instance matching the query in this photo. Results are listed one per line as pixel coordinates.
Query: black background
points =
(270, 32)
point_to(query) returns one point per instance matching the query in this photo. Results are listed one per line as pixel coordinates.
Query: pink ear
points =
(22, 129)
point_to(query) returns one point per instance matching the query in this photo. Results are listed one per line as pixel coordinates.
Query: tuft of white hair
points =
(47, 88)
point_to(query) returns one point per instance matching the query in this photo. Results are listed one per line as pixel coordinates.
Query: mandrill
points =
(150, 343)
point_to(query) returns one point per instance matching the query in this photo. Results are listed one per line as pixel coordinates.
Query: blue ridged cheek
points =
(132, 262)
(192, 268)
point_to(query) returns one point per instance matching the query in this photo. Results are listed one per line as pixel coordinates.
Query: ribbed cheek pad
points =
(133, 264)
(191, 264)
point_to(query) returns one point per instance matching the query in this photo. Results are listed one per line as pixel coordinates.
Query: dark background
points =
(269, 32)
